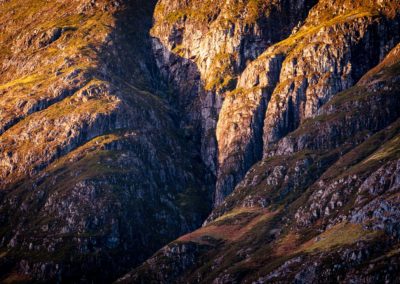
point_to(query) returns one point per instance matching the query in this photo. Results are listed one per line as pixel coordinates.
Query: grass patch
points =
(390, 150)
(26, 80)
(230, 231)
(340, 235)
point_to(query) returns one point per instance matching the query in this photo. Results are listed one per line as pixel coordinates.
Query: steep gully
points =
(232, 143)
(274, 89)
(230, 137)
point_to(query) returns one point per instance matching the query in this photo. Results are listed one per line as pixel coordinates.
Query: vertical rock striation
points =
(318, 60)
(202, 47)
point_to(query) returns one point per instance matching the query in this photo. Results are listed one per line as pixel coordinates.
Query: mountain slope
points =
(322, 203)
(127, 124)
(316, 211)
(94, 171)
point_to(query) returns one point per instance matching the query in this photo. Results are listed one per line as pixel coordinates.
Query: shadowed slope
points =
(95, 174)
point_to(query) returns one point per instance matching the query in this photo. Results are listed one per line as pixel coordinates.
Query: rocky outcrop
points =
(168, 273)
(318, 71)
(382, 187)
(316, 62)
(46, 135)
(241, 122)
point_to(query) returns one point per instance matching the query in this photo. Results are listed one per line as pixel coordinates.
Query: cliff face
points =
(201, 47)
(313, 64)
(121, 122)
(245, 58)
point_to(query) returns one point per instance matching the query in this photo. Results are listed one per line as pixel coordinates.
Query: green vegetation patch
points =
(340, 235)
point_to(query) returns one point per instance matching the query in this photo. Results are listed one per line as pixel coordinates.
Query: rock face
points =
(201, 48)
(240, 125)
(212, 46)
(127, 124)
(313, 64)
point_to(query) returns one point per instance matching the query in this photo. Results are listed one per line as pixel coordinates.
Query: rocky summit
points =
(200, 141)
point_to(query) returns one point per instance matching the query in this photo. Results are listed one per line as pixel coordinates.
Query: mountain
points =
(232, 141)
